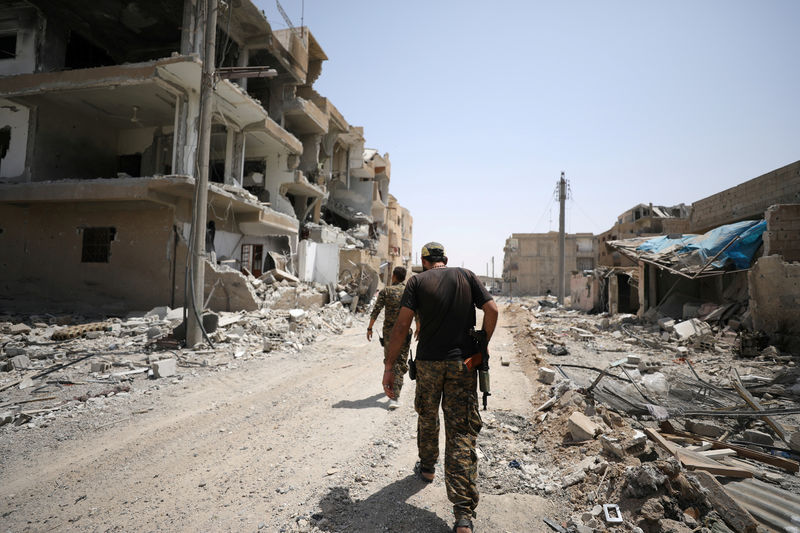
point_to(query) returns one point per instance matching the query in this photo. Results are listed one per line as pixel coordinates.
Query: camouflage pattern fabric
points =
(450, 383)
(389, 299)
(399, 368)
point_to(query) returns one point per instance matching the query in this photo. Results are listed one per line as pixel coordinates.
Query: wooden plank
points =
(720, 452)
(741, 451)
(752, 402)
(734, 514)
(654, 435)
(695, 461)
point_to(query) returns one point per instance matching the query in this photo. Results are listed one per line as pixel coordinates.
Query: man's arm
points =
(399, 333)
(490, 314)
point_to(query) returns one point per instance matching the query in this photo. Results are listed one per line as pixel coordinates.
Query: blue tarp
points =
(706, 246)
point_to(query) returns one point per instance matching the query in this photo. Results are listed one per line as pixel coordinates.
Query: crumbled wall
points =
(231, 290)
(775, 299)
(783, 231)
(584, 292)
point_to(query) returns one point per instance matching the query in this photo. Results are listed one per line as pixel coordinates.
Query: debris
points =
(546, 375)
(581, 427)
(612, 513)
(557, 349)
(690, 328)
(164, 368)
(733, 514)
(19, 329)
(758, 437)
(20, 362)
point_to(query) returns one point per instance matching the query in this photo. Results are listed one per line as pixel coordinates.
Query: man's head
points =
(433, 253)
(399, 274)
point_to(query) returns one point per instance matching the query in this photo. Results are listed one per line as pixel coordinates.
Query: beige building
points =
(530, 263)
(99, 155)
(641, 220)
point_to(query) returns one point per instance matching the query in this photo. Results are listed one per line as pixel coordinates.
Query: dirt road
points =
(290, 442)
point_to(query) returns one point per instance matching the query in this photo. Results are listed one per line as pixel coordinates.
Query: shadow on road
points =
(386, 510)
(365, 403)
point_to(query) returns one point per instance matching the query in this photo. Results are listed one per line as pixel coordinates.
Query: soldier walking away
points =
(445, 299)
(389, 300)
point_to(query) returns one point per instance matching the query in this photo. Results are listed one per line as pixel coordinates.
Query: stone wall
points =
(783, 231)
(747, 200)
(775, 299)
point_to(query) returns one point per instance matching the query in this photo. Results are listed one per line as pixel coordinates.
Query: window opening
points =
(97, 244)
(8, 46)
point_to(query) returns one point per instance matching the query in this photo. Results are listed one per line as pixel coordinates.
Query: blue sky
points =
(481, 105)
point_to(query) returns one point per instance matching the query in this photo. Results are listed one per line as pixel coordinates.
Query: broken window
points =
(97, 244)
(8, 45)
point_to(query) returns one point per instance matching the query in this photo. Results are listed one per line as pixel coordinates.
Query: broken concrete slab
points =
(160, 312)
(706, 429)
(758, 437)
(20, 362)
(690, 328)
(174, 314)
(164, 368)
(19, 329)
(667, 324)
(581, 427)
(547, 375)
(228, 290)
(100, 366)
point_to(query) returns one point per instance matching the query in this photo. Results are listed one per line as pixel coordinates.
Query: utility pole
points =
(493, 272)
(562, 195)
(195, 303)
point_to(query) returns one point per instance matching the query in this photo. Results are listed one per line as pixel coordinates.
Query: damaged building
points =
(739, 266)
(99, 112)
(530, 261)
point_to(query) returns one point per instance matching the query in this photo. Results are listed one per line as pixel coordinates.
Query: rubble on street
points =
(680, 435)
(54, 364)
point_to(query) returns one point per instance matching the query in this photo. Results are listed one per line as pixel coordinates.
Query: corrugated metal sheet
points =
(774, 507)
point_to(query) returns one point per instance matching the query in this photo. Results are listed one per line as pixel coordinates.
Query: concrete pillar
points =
(188, 27)
(237, 168)
(243, 61)
(652, 286)
(229, 156)
(642, 289)
(613, 294)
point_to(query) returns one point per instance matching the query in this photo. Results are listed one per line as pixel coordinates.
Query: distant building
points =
(530, 263)
(641, 220)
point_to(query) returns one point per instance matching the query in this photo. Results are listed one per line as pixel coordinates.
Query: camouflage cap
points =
(433, 249)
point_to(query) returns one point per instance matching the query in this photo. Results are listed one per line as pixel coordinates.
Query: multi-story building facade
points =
(530, 262)
(99, 112)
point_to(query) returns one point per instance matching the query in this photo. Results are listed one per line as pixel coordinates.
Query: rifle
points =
(480, 360)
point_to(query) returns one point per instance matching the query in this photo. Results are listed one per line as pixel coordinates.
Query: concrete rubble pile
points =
(652, 430)
(49, 363)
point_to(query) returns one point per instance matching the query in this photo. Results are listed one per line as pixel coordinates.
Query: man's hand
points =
(369, 334)
(388, 384)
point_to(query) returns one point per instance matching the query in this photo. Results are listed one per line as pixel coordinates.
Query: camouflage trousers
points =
(400, 366)
(450, 383)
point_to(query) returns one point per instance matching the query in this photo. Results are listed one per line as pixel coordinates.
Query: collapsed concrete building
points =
(739, 268)
(99, 111)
